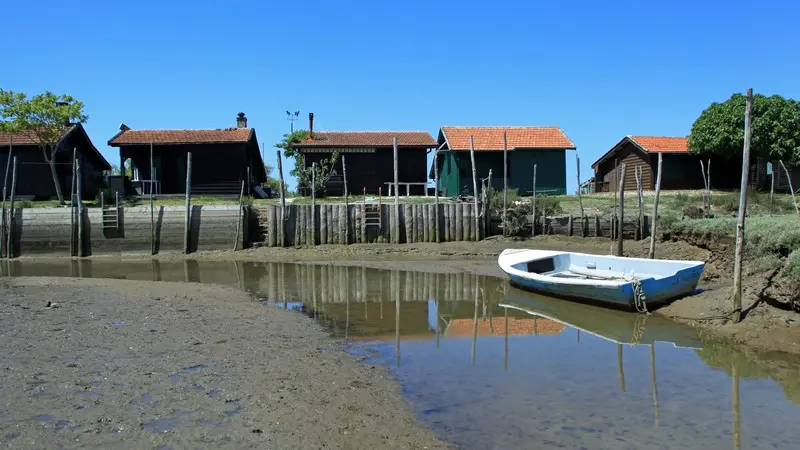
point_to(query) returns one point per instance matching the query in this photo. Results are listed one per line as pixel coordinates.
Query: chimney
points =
(61, 104)
(311, 125)
(241, 120)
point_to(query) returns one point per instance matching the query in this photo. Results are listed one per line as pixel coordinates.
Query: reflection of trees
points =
(781, 368)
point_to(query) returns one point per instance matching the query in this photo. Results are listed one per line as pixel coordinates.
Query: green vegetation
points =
(720, 128)
(41, 118)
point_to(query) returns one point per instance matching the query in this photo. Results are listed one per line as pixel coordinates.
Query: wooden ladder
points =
(110, 216)
(371, 212)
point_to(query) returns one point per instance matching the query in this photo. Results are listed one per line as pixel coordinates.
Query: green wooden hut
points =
(543, 146)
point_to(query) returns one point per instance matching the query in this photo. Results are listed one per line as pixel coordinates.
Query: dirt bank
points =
(121, 364)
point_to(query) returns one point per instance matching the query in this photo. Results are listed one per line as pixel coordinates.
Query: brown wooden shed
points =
(681, 169)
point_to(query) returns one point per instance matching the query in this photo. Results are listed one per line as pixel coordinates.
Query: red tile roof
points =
(144, 137)
(23, 138)
(661, 144)
(369, 139)
(491, 138)
(497, 326)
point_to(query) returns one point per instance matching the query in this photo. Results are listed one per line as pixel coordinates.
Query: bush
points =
(791, 269)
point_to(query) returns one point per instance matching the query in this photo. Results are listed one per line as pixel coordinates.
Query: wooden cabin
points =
(34, 176)
(220, 159)
(680, 168)
(369, 157)
(544, 146)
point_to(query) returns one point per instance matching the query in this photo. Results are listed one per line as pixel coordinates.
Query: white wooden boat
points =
(619, 282)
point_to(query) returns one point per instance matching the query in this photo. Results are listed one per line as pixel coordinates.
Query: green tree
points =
(44, 118)
(324, 168)
(719, 129)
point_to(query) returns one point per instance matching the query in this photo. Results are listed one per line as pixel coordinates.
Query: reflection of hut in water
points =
(496, 326)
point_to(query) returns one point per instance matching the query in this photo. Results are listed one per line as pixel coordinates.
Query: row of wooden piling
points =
(341, 224)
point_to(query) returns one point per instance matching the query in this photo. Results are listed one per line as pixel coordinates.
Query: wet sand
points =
(129, 364)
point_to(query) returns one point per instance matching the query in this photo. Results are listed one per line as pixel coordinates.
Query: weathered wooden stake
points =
(505, 181)
(637, 173)
(705, 192)
(314, 201)
(72, 246)
(152, 215)
(12, 212)
(187, 223)
(346, 204)
(239, 218)
(791, 188)
(436, 193)
(282, 223)
(3, 222)
(772, 188)
(580, 202)
(621, 219)
(652, 253)
(737, 263)
(708, 178)
(79, 194)
(396, 222)
(475, 190)
(616, 187)
(533, 205)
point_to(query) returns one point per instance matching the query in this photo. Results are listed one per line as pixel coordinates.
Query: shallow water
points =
(488, 366)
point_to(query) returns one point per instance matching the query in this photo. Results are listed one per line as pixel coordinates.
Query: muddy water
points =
(488, 366)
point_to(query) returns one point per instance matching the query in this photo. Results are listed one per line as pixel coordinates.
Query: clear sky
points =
(597, 69)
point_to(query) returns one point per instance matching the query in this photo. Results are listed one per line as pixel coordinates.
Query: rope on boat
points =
(639, 299)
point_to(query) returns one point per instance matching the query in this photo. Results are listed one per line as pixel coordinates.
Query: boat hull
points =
(618, 295)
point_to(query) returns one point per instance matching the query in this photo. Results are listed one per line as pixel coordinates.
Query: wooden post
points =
(616, 187)
(737, 263)
(791, 188)
(152, 215)
(3, 222)
(639, 217)
(239, 218)
(396, 222)
(72, 246)
(505, 180)
(436, 193)
(488, 209)
(314, 201)
(475, 190)
(708, 179)
(621, 219)
(705, 192)
(533, 205)
(282, 226)
(642, 225)
(12, 212)
(79, 195)
(652, 253)
(580, 202)
(187, 223)
(772, 188)
(346, 204)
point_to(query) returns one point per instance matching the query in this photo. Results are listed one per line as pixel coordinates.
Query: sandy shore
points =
(122, 364)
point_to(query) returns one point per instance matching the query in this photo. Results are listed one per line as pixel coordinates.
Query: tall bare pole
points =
(12, 212)
(436, 193)
(505, 181)
(637, 170)
(282, 225)
(791, 188)
(5, 184)
(621, 219)
(533, 205)
(396, 222)
(314, 201)
(72, 249)
(346, 204)
(580, 202)
(239, 221)
(652, 253)
(475, 191)
(187, 223)
(79, 195)
(737, 263)
(152, 215)
(616, 187)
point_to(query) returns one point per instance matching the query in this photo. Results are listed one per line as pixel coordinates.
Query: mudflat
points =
(129, 364)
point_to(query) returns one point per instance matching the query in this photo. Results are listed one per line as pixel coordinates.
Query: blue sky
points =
(597, 69)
